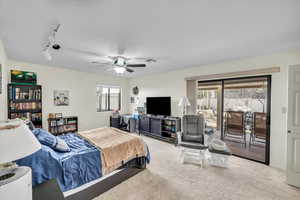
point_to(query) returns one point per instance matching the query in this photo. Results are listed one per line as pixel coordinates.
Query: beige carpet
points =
(167, 179)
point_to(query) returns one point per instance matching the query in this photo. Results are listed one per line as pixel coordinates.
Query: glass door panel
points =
(245, 114)
(237, 111)
(209, 104)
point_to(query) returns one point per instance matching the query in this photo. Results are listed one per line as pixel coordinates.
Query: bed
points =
(94, 155)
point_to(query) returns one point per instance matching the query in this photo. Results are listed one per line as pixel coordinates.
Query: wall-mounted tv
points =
(159, 105)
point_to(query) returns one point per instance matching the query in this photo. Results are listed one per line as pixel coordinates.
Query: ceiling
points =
(178, 33)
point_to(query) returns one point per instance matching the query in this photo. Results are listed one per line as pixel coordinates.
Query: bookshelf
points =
(169, 128)
(25, 101)
(62, 125)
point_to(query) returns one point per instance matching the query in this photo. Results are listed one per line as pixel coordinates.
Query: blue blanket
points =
(71, 169)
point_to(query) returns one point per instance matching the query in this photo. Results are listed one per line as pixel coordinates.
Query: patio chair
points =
(235, 127)
(259, 133)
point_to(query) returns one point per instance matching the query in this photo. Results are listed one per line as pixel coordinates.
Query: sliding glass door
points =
(237, 111)
(209, 103)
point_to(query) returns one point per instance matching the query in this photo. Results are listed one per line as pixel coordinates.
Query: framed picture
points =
(58, 115)
(61, 98)
(132, 100)
(22, 77)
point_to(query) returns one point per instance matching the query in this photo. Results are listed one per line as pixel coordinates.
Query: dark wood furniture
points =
(25, 101)
(104, 185)
(259, 128)
(62, 125)
(115, 121)
(235, 126)
(130, 125)
(162, 128)
(49, 190)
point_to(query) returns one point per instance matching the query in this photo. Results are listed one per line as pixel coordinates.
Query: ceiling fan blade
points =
(136, 65)
(101, 63)
(148, 60)
(129, 70)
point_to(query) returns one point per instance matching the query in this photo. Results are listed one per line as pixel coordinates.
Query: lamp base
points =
(16, 183)
(6, 176)
(7, 170)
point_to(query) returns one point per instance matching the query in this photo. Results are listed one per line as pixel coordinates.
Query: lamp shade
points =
(184, 102)
(16, 141)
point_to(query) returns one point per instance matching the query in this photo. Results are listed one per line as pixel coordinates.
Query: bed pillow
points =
(61, 145)
(45, 137)
(50, 140)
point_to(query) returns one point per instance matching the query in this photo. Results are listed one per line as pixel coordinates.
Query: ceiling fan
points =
(51, 44)
(120, 63)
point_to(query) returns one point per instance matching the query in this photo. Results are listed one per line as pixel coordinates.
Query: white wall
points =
(82, 88)
(173, 84)
(3, 59)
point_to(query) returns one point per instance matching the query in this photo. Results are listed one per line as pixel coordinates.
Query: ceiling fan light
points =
(120, 62)
(119, 70)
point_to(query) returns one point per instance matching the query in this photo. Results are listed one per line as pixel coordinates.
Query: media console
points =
(162, 128)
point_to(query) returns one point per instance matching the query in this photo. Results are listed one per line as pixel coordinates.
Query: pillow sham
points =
(45, 137)
(50, 140)
(61, 145)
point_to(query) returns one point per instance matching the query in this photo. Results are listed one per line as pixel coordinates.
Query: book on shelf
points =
(62, 125)
(34, 117)
(18, 93)
(26, 106)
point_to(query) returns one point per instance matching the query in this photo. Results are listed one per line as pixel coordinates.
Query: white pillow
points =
(61, 145)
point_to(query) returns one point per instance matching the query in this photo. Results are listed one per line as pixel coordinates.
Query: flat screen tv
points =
(159, 105)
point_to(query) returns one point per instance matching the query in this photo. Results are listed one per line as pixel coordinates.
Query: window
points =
(109, 98)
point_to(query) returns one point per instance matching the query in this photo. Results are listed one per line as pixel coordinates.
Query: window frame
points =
(99, 99)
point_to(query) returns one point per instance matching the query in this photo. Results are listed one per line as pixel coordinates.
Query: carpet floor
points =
(167, 179)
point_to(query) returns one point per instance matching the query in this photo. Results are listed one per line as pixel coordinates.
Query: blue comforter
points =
(71, 169)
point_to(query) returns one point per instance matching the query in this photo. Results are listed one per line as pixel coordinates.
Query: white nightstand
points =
(18, 186)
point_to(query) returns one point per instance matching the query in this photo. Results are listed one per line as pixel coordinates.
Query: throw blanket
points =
(117, 147)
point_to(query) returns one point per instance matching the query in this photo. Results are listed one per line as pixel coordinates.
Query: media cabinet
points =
(162, 128)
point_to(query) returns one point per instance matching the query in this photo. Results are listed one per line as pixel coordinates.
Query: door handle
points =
(289, 131)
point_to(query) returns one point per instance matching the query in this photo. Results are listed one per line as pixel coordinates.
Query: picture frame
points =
(23, 77)
(58, 115)
(61, 98)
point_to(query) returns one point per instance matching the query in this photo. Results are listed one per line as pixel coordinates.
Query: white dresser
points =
(17, 187)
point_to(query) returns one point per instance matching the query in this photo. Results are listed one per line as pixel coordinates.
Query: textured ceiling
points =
(178, 33)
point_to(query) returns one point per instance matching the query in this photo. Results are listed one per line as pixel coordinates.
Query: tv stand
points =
(160, 127)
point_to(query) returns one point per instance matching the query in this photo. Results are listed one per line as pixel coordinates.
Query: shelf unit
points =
(62, 125)
(25, 101)
(162, 128)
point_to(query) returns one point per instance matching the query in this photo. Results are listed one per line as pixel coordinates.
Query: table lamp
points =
(16, 141)
(184, 102)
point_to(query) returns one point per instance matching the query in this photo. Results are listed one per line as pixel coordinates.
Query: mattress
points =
(117, 147)
(71, 169)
